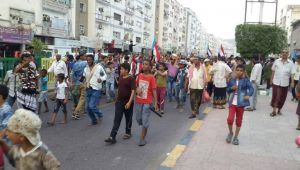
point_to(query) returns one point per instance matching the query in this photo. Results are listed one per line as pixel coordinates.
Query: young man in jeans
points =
(124, 103)
(94, 75)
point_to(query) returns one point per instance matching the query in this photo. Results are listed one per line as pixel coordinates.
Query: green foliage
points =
(259, 39)
(174, 50)
(38, 45)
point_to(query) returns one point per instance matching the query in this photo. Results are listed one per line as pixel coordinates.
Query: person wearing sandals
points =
(240, 90)
(282, 71)
(220, 71)
(124, 103)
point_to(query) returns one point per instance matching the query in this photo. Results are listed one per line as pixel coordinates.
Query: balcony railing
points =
(147, 19)
(105, 2)
(129, 11)
(55, 6)
(147, 5)
(102, 18)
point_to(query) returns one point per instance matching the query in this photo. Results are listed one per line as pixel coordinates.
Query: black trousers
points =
(210, 88)
(119, 111)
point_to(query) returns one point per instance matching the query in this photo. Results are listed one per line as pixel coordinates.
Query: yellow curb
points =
(171, 160)
(207, 110)
(196, 125)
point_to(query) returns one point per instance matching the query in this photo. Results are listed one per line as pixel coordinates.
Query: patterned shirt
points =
(39, 158)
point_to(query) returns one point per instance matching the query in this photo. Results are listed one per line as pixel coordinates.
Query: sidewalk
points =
(266, 143)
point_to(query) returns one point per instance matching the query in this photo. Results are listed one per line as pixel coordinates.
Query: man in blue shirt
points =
(77, 87)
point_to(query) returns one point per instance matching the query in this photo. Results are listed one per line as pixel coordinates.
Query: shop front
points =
(13, 40)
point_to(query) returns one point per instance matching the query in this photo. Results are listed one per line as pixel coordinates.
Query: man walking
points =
(78, 88)
(255, 80)
(281, 73)
(197, 82)
(94, 75)
(172, 73)
(58, 67)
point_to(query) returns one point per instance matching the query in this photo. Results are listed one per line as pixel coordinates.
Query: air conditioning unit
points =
(121, 23)
(20, 21)
(100, 26)
(101, 10)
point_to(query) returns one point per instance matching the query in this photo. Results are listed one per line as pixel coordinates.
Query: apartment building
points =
(117, 22)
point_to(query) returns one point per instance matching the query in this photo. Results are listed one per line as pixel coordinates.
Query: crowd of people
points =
(136, 84)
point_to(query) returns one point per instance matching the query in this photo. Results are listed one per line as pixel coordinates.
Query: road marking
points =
(207, 110)
(170, 161)
(196, 125)
(175, 154)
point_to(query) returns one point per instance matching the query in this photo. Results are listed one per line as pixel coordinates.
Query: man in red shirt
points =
(146, 89)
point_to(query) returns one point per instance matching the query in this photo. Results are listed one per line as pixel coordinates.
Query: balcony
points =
(146, 33)
(129, 11)
(147, 19)
(166, 5)
(165, 28)
(55, 6)
(101, 18)
(105, 2)
(148, 5)
(128, 27)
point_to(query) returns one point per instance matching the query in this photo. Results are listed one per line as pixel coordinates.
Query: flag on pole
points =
(156, 51)
(222, 53)
(209, 53)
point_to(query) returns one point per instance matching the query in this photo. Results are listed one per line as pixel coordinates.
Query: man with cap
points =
(180, 92)
(210, 84)
(196, 83)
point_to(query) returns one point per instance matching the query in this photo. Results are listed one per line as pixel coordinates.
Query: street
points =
(79, 146)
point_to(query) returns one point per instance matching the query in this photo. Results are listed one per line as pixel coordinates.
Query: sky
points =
(220, 17)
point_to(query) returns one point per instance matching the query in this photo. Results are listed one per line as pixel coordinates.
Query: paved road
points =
(80, 147)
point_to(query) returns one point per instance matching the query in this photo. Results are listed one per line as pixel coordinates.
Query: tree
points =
(259, 39)
(38, 45)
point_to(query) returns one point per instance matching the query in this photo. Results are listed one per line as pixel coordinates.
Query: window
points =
(117, 34)
(81, 29)
(117, 17)
(138, 39)
(82, 7)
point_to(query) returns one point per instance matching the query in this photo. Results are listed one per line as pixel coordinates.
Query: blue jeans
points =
(110, 90)
(180, 95)
(11, 100)
(92, 101)
(170, 87)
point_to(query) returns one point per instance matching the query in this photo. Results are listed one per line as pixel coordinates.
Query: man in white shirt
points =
(94, 75)
(255, 79)
(197, 82)
(282, 71)
(220, 72)
(296, 72)
(58, 67)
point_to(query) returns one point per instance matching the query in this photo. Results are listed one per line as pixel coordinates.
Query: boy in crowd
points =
(180, 85)
(240, 90)
(5, 108)
(27, 151)
(11, 80)
(146, 89)
(124, 103)
(110, 81)
(43, 87)
(62, 92)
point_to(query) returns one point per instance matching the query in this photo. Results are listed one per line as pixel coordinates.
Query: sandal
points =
(279, 113)
(273, 114)
(50, 124)
(298, 128)
(127, 136)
